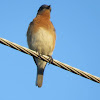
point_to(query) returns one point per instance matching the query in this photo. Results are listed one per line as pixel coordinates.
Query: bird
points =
(41, 37)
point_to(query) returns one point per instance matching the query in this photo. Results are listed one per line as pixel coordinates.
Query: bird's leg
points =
(39, 56)
(50, 59)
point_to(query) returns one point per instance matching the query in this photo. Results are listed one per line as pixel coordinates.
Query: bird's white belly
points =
(42, 42)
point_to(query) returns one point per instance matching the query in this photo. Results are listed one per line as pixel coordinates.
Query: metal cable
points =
(47, 59)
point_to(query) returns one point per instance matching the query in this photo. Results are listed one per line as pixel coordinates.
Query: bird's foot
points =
(39, 56)
(50, 59)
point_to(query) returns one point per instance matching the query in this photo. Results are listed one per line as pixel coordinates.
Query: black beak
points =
(49, 7)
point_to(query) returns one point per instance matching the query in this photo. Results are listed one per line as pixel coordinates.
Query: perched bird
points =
(41, 38)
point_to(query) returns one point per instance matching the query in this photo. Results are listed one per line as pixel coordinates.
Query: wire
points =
(47, 59)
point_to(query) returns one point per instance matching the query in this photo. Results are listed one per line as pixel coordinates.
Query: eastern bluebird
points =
(41, 38)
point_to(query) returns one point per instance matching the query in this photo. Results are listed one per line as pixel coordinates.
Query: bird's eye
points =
(41, 8)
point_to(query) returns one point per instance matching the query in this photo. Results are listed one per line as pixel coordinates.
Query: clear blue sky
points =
(77, 24)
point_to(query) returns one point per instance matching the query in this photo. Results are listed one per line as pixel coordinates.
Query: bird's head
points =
(44, 10)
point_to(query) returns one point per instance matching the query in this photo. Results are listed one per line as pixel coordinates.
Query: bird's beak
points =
(49, 7)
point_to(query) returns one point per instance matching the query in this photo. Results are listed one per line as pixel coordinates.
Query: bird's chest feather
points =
(42, 41)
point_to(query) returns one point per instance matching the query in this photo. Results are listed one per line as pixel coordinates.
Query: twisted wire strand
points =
(47, 59)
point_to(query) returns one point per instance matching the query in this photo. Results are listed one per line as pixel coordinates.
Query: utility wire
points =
(47, 59)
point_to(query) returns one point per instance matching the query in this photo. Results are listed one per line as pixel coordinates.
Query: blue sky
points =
(77, 24)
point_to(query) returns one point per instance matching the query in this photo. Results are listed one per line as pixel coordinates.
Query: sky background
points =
(77, 24)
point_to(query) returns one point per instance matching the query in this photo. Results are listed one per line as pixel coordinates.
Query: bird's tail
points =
(39, 80)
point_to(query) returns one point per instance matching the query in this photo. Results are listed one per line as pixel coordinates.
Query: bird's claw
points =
(50, 59)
